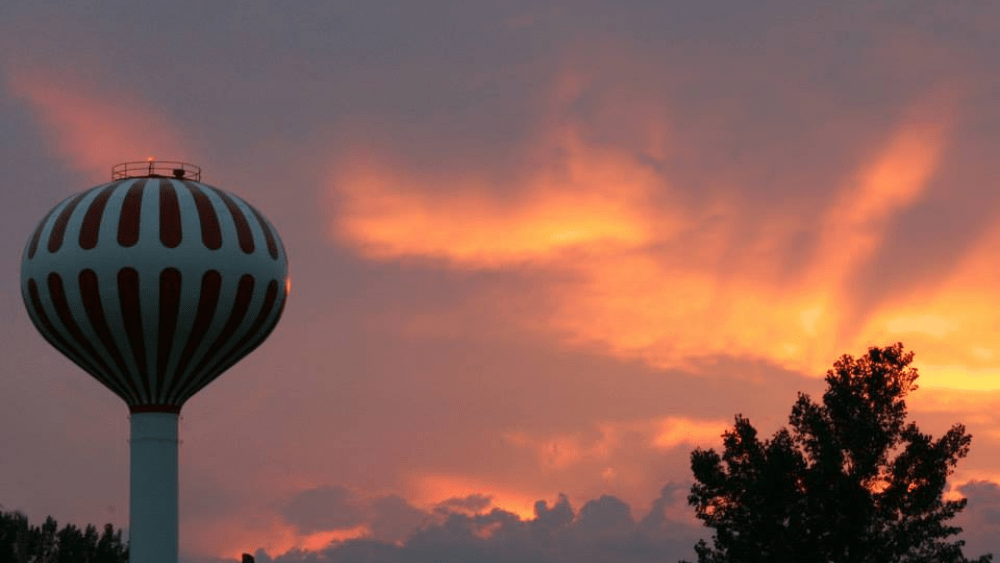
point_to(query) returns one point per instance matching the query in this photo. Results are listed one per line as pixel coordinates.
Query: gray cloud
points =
(394, 519)
(981, 518)
(602, 530)
(323, 508)
(473, 503)
(389, 518)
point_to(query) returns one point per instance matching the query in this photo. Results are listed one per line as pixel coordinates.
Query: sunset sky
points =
(539, 251)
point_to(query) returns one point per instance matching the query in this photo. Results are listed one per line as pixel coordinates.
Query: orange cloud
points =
(894, 179)
(93, 130)
(612, 456)
(981, 407)
(427, 490)
(564, 451)
(243, 533)
(595, 200)
(669, 283)
(318, 540)
(951, 325)
(668, 309)
(675, 431)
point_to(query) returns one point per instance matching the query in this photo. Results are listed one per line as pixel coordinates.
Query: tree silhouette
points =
(23, 543)
(110, 548)
(13, 529)
(852, 481)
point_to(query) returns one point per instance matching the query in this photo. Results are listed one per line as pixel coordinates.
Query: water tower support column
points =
(153, 534)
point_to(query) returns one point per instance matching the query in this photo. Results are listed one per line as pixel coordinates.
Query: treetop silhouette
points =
(21, 542)
(852, 481)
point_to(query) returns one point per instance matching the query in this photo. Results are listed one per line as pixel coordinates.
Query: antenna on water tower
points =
(154, 284)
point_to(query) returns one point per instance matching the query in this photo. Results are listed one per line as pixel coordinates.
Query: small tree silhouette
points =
(23, 543)
(851, 482)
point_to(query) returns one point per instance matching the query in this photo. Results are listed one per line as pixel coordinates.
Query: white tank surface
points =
(154, 283)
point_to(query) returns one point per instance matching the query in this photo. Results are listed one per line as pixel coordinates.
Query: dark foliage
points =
(850, 482)
(21, 542)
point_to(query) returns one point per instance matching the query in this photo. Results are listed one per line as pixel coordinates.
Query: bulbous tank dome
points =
(154, 285)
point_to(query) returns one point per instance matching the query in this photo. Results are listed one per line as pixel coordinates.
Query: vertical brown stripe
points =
(243, 233)
(263, 334)
(222, 367)
(272, 246)
(244, 293)
(62, 311)
(39, 310)
(170, 215)
(259, 339)
(281, 310)
(170, 301)
(92, 220)
(211, 283)
(53, 337)
(129, 298)
(91, 296)
(234, 355)
(128, 223)
(33, 247)
(211, 234)
(59, 227)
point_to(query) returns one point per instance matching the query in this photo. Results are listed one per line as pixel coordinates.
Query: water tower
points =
(154, 284)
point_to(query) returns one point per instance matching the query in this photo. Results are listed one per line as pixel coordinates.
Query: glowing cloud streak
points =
(93, 130)
(560, 452)
(667, 283)
(597, 199)
(952, 324)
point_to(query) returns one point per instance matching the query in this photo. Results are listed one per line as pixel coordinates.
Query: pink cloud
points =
(95, 128)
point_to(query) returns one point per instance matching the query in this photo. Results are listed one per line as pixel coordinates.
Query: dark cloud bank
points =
(463, 530)
(601, 531)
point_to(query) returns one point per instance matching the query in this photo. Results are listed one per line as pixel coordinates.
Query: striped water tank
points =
(154, 285)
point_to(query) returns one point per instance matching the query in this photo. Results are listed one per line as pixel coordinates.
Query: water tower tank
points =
(154, 283)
